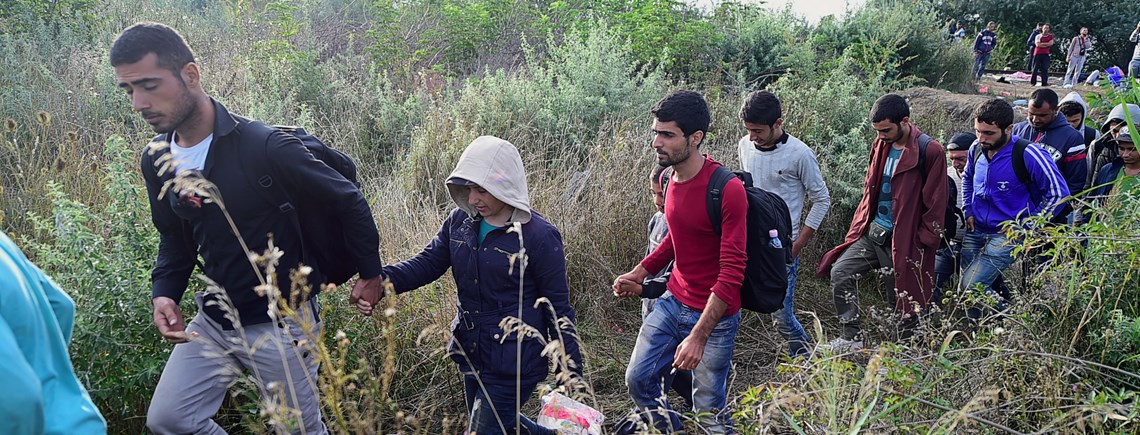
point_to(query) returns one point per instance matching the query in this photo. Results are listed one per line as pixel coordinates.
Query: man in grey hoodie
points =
(1075, 110)
(1103, 150)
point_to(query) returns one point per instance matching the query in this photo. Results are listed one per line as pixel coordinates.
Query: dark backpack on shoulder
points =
(322, 234)
(953, 213)
(765, 274)
(1019, 168)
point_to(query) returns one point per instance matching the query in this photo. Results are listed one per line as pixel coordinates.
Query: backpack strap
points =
(713, 199)
(923, 141)
(254, 152)
(1019, 162)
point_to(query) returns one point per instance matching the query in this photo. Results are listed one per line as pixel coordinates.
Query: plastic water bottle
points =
(774, 239)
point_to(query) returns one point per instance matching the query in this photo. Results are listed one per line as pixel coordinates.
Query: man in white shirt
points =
(784, 165)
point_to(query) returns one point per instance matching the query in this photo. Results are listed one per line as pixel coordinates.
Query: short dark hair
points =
(995, 112)
(1043, 96)
(1039, 24)
(687, 108)
(135, 42)
(761, 107)
(891, 107)
(655, 176)
(1070, 108)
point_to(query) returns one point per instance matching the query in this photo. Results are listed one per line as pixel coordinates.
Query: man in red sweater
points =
(1043, 44)
(694, 327)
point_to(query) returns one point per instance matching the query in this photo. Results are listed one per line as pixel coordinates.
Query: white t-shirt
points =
(190, 158)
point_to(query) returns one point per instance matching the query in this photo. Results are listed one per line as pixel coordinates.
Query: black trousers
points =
(1040, 68)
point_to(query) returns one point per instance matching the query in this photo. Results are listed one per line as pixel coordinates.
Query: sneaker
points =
(1067, 86)
(842, 345)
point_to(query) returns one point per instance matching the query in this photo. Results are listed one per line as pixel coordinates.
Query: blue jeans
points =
(945, 266)
(661, 333)
(985, 256)
(980, 61)
(496, 403)
(789, 326)
(680, 380)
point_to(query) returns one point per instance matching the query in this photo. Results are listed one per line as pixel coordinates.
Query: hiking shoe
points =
(842, 345)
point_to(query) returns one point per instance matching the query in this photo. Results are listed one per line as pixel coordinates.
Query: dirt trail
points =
(946, 111)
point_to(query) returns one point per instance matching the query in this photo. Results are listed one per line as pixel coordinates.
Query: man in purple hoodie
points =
(1055, 135)
(994, 193)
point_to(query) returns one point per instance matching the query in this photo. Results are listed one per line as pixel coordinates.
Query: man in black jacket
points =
(203, 203)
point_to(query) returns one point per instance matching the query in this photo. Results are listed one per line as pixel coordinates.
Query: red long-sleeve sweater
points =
(705, 262)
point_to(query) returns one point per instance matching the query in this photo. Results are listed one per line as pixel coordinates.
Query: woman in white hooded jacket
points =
(480, 242)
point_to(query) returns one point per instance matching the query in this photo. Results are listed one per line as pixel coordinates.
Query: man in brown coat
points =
(897, 225)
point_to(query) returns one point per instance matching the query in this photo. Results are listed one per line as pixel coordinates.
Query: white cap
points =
(773, 233)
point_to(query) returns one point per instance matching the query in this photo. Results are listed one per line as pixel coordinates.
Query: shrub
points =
(101, 255)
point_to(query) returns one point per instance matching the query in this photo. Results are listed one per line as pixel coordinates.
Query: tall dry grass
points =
(579, 113)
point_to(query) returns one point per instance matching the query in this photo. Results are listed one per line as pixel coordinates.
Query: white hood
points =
(1074, 96)
(495, 165)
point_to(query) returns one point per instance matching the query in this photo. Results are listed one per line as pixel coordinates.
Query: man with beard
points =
(1079, 48)
(897, 225)
(782, 164)
(693, 326)
(993, 195)
(235, 329)
(1064, 144)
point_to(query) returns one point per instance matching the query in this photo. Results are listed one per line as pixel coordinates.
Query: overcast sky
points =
(812, 9)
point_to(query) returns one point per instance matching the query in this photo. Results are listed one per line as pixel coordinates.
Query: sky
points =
(813, 10)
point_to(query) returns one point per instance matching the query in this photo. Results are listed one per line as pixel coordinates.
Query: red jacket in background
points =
(919, 210)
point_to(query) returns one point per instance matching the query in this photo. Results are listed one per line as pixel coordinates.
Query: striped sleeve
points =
(1048, 184)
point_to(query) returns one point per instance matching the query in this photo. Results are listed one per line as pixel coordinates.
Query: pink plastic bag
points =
(569, 416)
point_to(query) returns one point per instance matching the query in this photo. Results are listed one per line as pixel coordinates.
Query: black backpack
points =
(1019, 168)
(953, 213)
(765, 274)
(322, 235)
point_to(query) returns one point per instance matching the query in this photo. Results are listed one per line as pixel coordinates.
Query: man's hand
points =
(689, 353)
(169, 321)
(366, 294)
(970, 224)
(637, 275)
(624, 288)
(806, 234)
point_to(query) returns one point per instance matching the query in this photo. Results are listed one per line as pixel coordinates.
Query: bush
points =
(101, 255)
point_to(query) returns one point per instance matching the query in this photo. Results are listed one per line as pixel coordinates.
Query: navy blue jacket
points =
(1065, 144)
(488, 290)
(189, 225)
(1105, 177)
(985, 41)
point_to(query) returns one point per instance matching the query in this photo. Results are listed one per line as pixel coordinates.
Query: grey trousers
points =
(861, 257)
(199, 372)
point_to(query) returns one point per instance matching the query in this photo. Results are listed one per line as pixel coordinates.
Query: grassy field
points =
(403, 87)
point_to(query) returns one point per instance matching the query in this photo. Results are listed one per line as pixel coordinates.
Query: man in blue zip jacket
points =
(1065, 145)
(993, 195)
